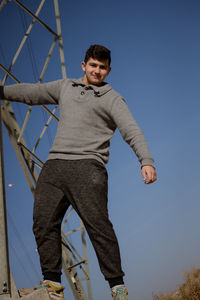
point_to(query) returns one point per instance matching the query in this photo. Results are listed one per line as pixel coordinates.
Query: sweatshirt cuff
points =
(147, 162)
(1, 92)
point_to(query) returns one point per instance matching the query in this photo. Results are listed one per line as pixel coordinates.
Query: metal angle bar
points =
(29, 111)
(74, 283)
(25, 38)
(83, 278)
(70, 281)
(47, 60)
(13, 77)
(86, 270)
(73, 230)
(35, 17)
(20, 157)
(68, 248)
(28, 114)
(66, 241)
(67, 218)
(5, 269)
(31, 153)
(30, 107)
(43, 131)
(83, 237)
(60, 41)
(76, 252)
(4, 2)
(13, 130)
(72, 276)
(40, 80)
(48, 110)
(8, 73)
(37, 164)
(73, 248)
(76, 265)
(21, 135)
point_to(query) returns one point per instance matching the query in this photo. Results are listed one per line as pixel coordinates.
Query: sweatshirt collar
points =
(98, 90)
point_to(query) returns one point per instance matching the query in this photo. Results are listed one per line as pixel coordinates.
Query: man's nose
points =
(97, 70)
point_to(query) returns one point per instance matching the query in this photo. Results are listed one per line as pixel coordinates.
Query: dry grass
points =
(190, 290)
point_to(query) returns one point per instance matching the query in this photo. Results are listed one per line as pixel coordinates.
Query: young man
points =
(75, 173)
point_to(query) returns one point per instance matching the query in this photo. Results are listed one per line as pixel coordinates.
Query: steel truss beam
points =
(73, 262)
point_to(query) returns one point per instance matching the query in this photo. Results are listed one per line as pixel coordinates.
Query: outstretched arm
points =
(32, 94)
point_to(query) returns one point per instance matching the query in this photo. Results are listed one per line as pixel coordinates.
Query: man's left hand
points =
(148, 174)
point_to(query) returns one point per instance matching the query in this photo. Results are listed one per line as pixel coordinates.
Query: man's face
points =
(95, 71)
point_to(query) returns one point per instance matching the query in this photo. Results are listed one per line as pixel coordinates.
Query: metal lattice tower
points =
(75, 260)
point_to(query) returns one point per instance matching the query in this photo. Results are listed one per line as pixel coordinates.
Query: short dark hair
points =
(98, 52)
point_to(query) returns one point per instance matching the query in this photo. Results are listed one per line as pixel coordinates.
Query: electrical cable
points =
(17, 105)
(34, 66)
(23, 246)
(21, 263)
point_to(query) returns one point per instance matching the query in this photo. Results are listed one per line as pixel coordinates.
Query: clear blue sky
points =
(156, 67)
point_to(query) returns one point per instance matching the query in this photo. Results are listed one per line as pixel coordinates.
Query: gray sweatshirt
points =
(89, 116)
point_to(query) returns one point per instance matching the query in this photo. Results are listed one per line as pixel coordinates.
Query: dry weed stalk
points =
(190, 290)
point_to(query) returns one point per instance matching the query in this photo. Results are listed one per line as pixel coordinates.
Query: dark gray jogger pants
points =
(83, 184)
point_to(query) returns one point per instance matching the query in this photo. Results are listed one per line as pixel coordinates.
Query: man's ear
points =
(83, 64)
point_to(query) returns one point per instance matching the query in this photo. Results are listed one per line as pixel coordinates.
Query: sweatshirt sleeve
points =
(33, 94)
(130, 131)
